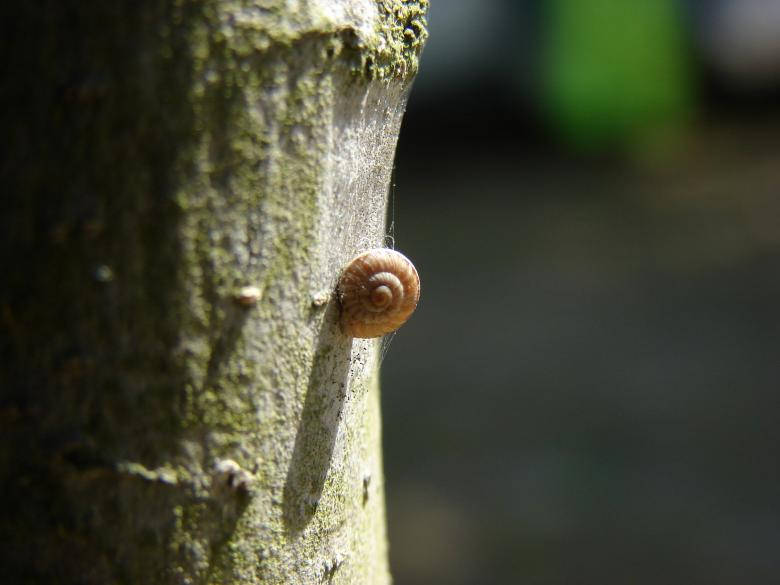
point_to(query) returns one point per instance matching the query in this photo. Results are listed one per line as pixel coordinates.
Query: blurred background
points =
(588, 392)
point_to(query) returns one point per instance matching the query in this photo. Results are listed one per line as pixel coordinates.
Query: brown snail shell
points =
(378, 291)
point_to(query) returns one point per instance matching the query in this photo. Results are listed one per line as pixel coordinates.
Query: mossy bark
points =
(159, 424)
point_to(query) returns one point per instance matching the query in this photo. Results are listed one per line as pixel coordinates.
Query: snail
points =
(378, 291)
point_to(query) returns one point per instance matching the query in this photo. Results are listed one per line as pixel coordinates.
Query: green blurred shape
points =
(615, 71)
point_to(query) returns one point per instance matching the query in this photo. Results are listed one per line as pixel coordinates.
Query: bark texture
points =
(160, 424)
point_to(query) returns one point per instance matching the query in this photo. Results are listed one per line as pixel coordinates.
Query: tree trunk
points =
(182, 183)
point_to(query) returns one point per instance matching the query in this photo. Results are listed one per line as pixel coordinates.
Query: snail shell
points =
(378, 291)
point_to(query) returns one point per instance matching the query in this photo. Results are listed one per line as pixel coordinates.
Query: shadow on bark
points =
(320, 418)
(98, 107)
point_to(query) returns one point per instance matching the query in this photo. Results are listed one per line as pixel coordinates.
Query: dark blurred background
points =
(588, 392)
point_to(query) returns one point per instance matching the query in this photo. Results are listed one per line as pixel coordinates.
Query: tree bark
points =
(183, 181)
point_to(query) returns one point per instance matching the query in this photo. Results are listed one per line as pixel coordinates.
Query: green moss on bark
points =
(166, 155)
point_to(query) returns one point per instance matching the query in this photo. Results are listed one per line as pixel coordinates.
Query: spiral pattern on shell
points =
(378, 291)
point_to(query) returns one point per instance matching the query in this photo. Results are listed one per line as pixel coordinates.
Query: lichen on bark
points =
(168, 155)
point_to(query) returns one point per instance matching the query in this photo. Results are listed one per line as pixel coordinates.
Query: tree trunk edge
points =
(157, 425)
